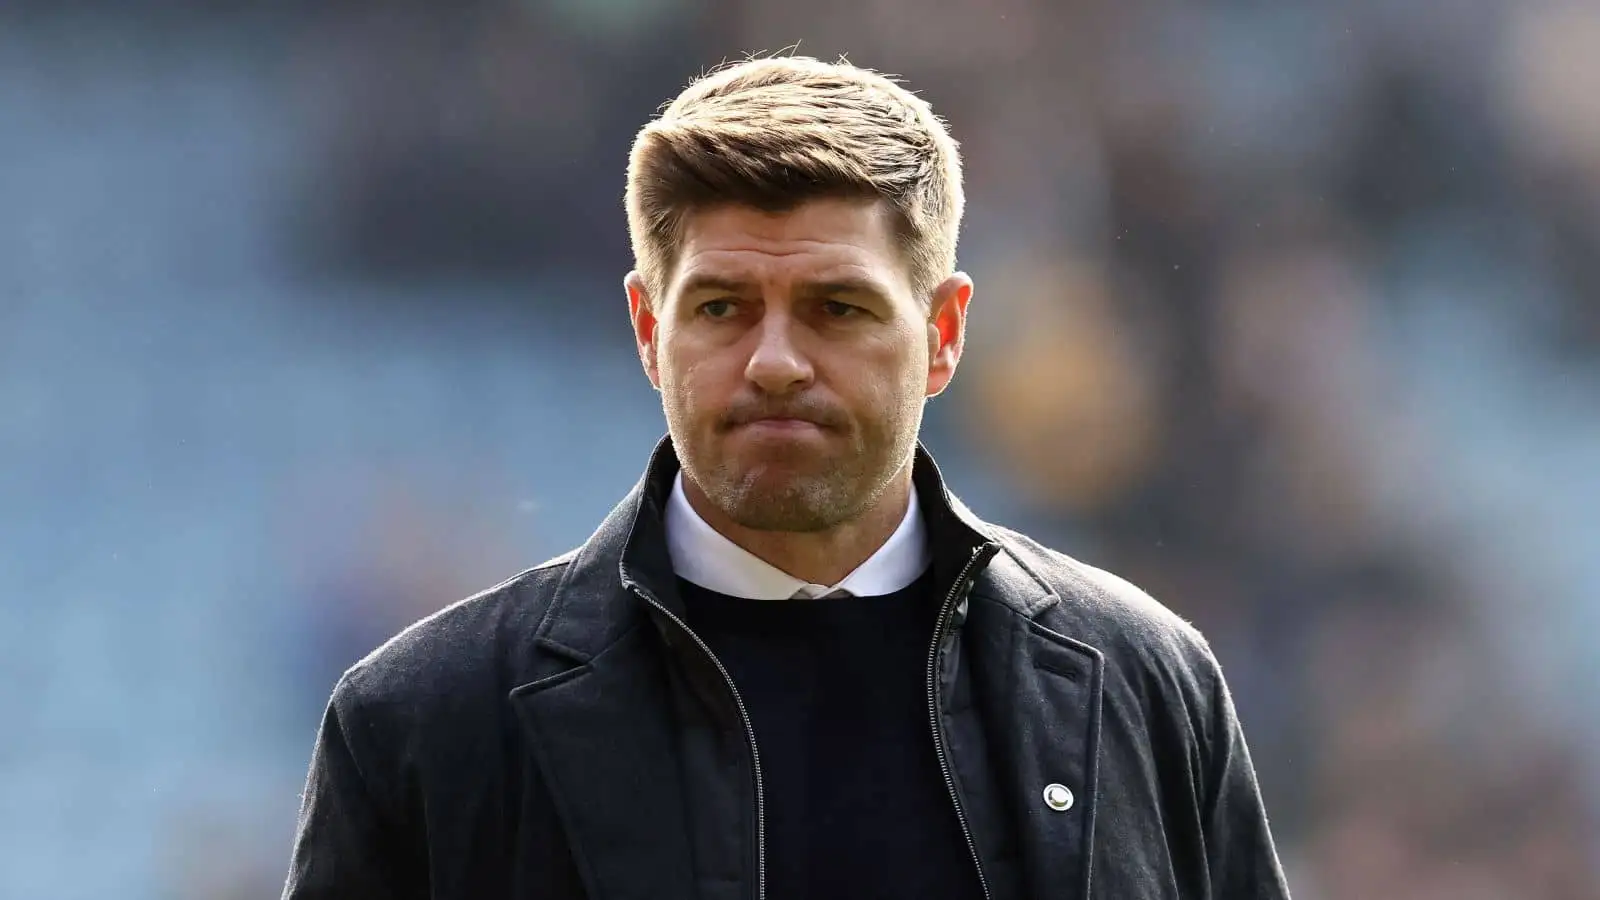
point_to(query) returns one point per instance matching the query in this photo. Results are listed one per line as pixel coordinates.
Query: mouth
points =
(779, 427)
(782, 423)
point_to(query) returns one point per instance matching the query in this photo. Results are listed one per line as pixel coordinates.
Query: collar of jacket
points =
(629, 550)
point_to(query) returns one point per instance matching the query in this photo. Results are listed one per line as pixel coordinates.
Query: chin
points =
(775, 498)
(771, 477)
(789, 512)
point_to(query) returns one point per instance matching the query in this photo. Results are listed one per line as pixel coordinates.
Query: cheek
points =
(889, 379)
(675, 360)
(911, 359)
(689, 384)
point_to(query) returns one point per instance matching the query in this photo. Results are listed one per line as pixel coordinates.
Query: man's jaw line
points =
(824, 556)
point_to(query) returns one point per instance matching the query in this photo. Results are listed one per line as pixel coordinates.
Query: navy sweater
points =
(836, 690)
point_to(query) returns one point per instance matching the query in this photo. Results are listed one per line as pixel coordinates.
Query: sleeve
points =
(345, 846)
(1241, 858)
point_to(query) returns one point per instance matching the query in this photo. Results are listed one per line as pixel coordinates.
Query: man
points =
(790, 664)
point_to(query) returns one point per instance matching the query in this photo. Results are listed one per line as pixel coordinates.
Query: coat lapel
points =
(599, 718)
(601, 734)
(1041, 691)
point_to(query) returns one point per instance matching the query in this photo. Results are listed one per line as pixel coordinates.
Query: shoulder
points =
(459, 658)
(1140, 638)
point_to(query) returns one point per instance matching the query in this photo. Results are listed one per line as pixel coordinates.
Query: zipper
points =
(749, 733)
(940, 742)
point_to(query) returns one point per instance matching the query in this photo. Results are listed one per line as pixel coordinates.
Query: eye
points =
(838, 309)
(717, 309)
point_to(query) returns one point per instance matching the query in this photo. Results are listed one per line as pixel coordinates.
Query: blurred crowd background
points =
(311, 322)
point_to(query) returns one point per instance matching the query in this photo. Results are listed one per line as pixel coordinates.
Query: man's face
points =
(793, 360)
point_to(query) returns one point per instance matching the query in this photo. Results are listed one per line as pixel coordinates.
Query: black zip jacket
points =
(564, 735)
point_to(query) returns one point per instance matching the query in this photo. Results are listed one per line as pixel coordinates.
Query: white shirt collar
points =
(703, 556)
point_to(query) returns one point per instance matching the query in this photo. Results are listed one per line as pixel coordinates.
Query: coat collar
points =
(594, 604)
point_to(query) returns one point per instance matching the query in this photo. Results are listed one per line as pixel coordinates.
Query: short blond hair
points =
(774, 132)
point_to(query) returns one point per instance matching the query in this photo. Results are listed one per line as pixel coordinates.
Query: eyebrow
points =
(707, 283)
(700, 284)
(857, 286)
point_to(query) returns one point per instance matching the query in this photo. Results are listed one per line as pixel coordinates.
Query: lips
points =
(800, 415)
(782, 424)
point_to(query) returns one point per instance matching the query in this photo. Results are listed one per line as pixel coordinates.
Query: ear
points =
(947, 329)
(642, 313)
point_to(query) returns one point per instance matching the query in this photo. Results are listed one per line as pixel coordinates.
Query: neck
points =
(819, 557)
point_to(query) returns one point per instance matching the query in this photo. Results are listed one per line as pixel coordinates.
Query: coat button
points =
(1058, 797)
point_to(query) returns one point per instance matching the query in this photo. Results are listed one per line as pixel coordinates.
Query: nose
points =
(777, 365)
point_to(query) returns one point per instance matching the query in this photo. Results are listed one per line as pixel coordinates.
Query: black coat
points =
(563, 735)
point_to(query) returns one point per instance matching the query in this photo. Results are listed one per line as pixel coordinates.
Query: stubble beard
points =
(813, 495)
(758, 499)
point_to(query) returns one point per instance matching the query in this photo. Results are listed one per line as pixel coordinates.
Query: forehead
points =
(819, 240)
